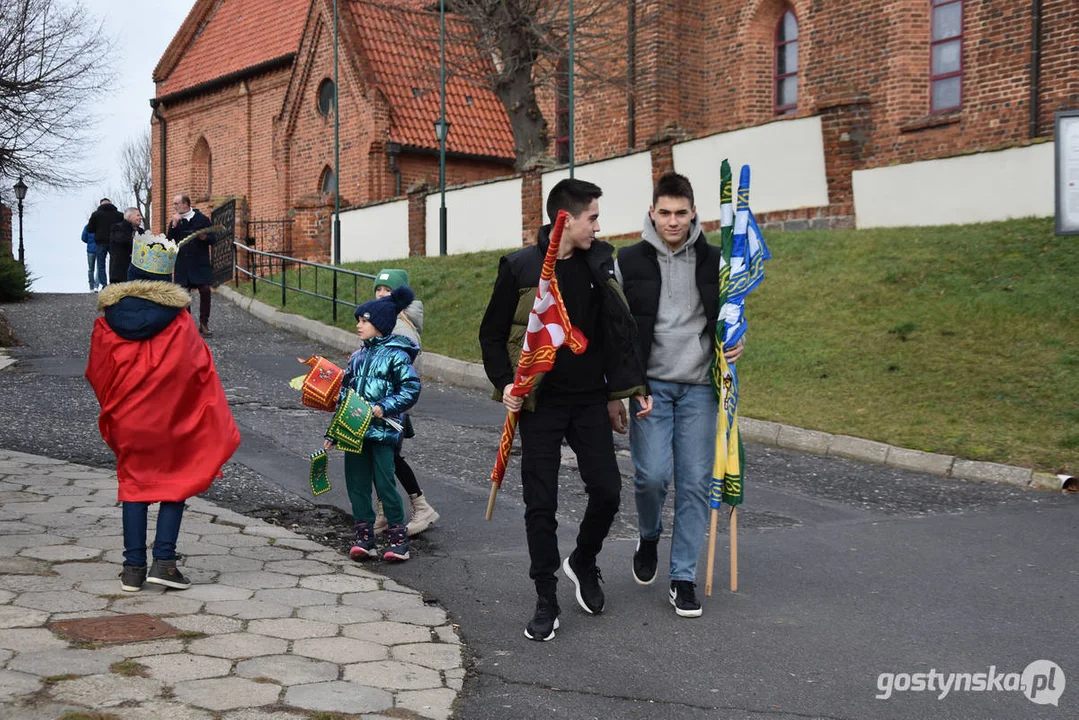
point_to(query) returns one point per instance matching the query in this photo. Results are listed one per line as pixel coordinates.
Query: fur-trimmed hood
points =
(140, 309)
(160, 292)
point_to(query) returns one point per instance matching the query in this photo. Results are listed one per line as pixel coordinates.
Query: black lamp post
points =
(20, 193)
(336, 154)
(442, 129)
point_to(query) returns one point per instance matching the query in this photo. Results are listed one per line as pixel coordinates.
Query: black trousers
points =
(204, 304)
(587, 428)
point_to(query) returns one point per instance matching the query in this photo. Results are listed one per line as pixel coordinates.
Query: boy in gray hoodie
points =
(671, 281)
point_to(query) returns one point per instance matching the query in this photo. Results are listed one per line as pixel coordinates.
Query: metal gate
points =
(268, 236)
(222, 252)
(273, 236)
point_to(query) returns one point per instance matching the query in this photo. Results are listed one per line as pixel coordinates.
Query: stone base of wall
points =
(827, 217)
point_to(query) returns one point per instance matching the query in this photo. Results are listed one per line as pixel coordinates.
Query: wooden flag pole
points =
(505, 444)
(734, 549)
(491, 499)
(711, 552)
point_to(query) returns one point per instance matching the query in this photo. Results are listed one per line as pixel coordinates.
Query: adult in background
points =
(101, 222)
(91, 260)
(121, 243)
(193, 267)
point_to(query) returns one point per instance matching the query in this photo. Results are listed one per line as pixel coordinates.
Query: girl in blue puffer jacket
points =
(381, 373)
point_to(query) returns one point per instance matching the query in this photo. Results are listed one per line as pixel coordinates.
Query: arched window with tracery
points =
(202, 171)
(786, 64)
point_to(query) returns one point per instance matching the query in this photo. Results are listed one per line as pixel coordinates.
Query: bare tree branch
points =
(135, 171)
(53, 63)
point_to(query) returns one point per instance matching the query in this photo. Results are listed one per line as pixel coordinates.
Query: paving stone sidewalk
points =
(276, 627)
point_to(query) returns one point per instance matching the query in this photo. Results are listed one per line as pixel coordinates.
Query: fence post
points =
(254, 273)
(284, 281)
(335, 296)
(235, 268)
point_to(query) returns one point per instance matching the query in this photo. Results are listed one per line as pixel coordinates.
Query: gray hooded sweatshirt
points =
(680, 352)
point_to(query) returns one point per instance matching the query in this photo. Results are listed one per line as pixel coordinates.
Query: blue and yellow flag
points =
(740, 270)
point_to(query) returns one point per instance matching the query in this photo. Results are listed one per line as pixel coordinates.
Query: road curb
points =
(460, 373)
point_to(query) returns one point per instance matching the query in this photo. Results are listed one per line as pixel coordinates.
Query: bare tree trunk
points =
(515, 88)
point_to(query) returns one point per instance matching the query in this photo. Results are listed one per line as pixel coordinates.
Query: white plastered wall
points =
(377, 232)
(627, 190)
(968, 189)
(481, 217)
(786, 160)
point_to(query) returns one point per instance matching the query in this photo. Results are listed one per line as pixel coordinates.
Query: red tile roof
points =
(400, 49)
(237, 35)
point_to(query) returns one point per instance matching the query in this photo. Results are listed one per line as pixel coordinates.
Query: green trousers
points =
(373, 466)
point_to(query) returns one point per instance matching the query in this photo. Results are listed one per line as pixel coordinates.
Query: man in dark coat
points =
(121, 243)
(193, 267)
(100, 223)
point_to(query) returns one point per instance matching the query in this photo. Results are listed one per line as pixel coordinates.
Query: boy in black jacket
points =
(575, 400)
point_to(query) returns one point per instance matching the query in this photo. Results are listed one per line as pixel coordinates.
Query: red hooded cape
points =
(163, 411)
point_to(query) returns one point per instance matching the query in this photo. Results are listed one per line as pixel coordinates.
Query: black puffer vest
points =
(641, 284)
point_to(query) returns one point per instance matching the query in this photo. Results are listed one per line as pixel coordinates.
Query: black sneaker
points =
(132, 577)
(586, 580)
(165, 572)
(645, 559)
(544, 621)
(684, 598)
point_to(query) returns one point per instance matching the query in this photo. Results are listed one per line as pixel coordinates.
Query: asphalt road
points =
(847, 570)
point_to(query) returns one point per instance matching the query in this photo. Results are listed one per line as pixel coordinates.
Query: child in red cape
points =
(163, 410)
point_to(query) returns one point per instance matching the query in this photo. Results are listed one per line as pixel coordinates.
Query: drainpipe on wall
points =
(393, 149)
(161, 212)
(631, 75)
(1035, 64)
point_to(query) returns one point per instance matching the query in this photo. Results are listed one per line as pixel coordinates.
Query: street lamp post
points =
(442, 128)
(336, 152)
(20, 193)
(572, 99)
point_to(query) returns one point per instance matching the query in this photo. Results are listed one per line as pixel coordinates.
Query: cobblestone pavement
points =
(275, 626)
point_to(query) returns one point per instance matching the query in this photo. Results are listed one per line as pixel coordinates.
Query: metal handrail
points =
(283, 261)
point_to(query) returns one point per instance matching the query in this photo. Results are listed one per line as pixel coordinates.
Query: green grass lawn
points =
(961, 340)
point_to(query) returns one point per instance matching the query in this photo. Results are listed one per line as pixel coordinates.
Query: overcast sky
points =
(53, 220)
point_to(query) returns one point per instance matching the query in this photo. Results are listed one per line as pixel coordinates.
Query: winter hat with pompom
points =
(382, 313)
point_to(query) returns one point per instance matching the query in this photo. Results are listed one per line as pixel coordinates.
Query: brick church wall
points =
(701, 68)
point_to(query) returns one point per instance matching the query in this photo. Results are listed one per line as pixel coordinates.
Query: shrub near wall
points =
(15, 280)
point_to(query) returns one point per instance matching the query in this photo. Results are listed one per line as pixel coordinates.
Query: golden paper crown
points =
(157, 254)
(154, 254)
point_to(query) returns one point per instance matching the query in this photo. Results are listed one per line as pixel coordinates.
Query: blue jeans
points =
(102, 280)
(91, 267)
(168, 529)
(676, 440)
